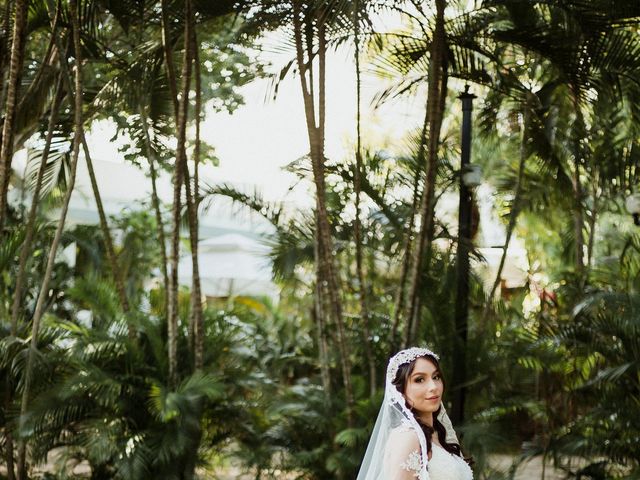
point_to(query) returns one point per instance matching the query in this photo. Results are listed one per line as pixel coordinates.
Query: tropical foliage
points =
(112, 370)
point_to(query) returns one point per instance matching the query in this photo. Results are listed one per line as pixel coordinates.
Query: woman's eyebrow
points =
(436, 372)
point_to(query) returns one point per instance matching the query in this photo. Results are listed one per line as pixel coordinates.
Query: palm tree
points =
(37, 316)
(196, 307)
(180, 166)
(30, 228)
(15, 73)
(364, 309)
(437, 88)
(153, 429)
(310, 27)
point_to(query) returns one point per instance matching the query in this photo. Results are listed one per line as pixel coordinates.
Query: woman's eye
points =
(419, 380)
(436, 377)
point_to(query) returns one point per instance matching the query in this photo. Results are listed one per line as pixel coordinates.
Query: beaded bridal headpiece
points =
(406, 356)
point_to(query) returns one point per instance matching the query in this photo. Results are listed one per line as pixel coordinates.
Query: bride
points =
(413, 436)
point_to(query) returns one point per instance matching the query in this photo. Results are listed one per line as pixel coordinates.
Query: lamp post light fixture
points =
(471, 175)
(632, 202)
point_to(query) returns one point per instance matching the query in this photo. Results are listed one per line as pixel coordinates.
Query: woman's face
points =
(424, 387)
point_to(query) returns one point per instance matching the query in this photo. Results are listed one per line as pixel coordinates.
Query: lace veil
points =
(395, 416)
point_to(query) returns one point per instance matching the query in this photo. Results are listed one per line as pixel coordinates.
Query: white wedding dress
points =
(403, 460)
(446, 466)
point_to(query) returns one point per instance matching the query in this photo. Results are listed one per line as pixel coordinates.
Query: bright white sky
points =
(264, 135)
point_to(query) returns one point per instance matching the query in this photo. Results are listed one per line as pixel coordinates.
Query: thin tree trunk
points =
(6, 25)
(104, 225)
(47, 61)
(13, 87)
(33, 209)
(400, 304)
(106, 234)
(323, 347)
(326, 266)
(28, 240)
(156, 207)
(578, 215)
(179, 173)
(8, 387)
(196, 293)
(428, 251)
(44, 290)
(578, 221)
(8, 434)
(436, 93)
(513, 215)
(406, 262)
(168, 55)
(593, 217)
(196, 308)
(326, 250)
(190, 47)
(172, 286)
(364, 310)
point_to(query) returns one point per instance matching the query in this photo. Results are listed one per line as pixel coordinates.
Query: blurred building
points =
(233, 257)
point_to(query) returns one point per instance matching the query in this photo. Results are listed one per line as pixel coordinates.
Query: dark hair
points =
(404, 372)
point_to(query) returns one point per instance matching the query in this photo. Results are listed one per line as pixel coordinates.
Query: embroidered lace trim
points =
(413, 463)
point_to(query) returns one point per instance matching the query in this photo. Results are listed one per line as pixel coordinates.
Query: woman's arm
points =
(402, 456)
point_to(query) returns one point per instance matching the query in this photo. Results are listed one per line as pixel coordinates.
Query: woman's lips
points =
(432, 399)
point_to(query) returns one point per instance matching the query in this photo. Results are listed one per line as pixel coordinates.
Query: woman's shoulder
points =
(404, 436)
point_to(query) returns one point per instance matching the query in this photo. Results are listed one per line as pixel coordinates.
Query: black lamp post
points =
(462, 262)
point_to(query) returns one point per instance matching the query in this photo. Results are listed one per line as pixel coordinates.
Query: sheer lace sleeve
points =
(402, 456)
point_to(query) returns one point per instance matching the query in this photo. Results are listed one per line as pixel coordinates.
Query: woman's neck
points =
(427, 419)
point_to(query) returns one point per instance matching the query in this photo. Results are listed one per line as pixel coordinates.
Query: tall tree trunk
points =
(4, 59)
(104, 225)
(179, 174)
(13, 87)
(28, 240)
(39, 309)
(578, 221)
(195, 316)
(578, 212)
(33, 209)
(196, 308)
(319, 316)
(106, 235)
(151, 157)
(362, 285)
(172, 286)
(513, 214)
(437, 90)
(593, 217)
(168, 55)
(402, 305)
(8, 434)
(406, 248)
(325, 262)
(47, 61)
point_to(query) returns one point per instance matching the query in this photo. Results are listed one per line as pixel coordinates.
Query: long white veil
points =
(395, 415)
